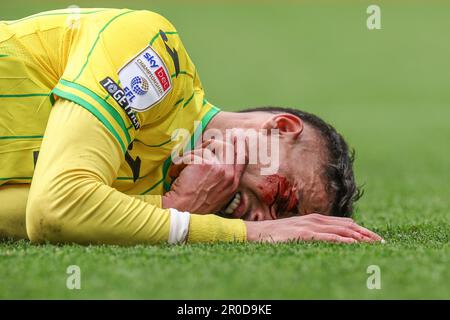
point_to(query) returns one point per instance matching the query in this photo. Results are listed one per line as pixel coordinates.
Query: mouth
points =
(236, 206)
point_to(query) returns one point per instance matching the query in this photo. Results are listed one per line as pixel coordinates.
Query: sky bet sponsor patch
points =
(118, 95)
(145, 80)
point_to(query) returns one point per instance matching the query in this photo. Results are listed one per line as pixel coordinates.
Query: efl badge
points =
(145, 80)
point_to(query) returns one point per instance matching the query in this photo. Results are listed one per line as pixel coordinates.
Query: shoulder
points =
(142, 18)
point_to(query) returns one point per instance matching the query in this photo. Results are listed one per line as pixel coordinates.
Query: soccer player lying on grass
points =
(88, 106)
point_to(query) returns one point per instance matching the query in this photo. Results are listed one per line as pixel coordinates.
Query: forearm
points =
(212, 228)
(14, 201)
(77, 208)
(204, 227)
(155, 200)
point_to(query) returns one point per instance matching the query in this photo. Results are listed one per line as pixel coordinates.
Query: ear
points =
(287, 124)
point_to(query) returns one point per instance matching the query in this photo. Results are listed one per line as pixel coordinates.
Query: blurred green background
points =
(387, 91)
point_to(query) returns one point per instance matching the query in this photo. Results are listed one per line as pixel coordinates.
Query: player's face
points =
(296, 188)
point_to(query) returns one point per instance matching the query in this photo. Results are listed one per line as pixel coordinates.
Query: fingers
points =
(302, 229)
(227, 155)
(219, 149)
(366, 232)
(329, 219)
(346, 232)
(331, 237)
(347, 223)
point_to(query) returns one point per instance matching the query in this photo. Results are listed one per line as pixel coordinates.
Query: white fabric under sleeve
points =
(179, 226)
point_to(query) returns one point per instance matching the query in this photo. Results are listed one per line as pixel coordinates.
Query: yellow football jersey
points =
(127, 68)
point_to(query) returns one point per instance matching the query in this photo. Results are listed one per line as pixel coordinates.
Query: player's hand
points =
(311, 227)
(206, 187)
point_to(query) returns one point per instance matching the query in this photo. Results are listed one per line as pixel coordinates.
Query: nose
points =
(260, 216)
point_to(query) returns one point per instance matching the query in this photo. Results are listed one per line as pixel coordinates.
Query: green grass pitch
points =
(387, 91)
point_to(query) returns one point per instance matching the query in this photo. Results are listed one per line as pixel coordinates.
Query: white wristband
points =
(179, 226)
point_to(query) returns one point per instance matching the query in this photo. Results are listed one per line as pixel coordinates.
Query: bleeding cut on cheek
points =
(278, 191)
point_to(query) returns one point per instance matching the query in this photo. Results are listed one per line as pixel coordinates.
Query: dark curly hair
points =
(339, 165)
